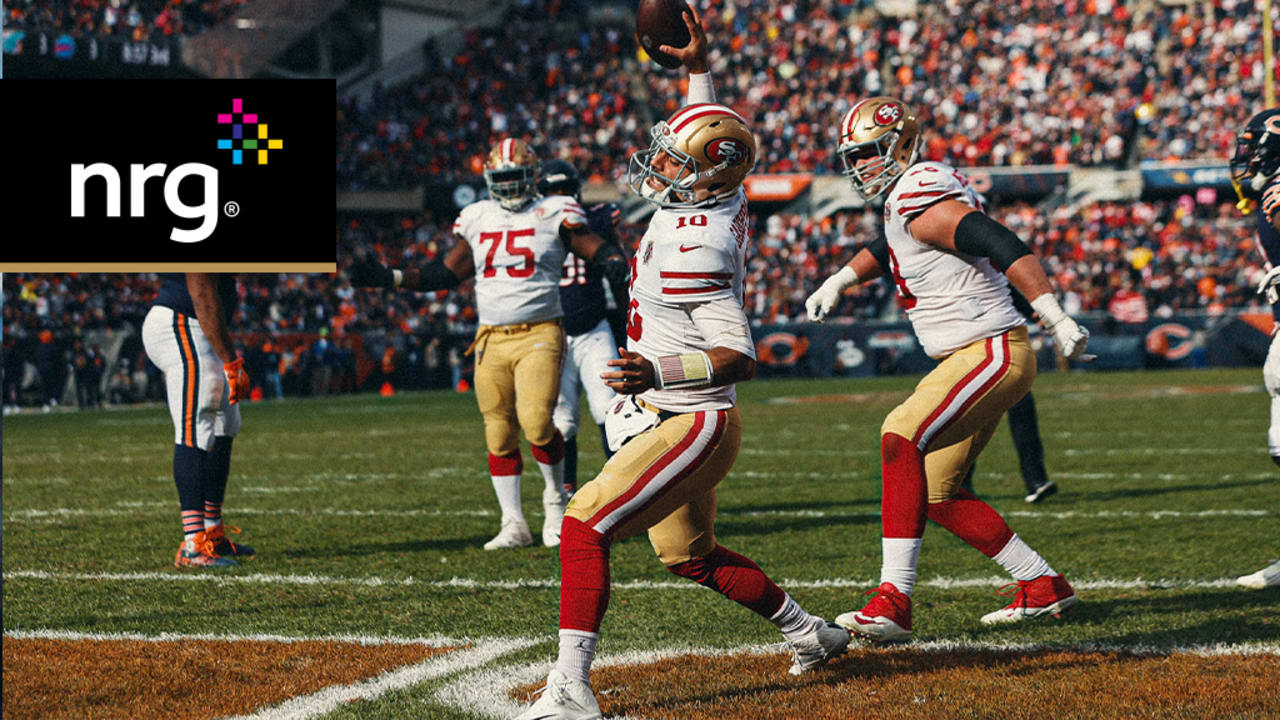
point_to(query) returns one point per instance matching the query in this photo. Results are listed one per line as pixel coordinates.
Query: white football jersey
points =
(687, 257)
(518, 256)
(951, 298)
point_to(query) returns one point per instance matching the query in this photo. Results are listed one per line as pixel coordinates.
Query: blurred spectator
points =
(134, 20)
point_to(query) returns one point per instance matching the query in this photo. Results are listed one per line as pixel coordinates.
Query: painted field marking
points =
(482, 652)
(551, 583)
(129, 508)
(487, 692)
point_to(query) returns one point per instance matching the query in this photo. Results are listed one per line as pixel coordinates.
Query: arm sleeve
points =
(980, 236)
(724, 324)
(700, 89)
(879, 249)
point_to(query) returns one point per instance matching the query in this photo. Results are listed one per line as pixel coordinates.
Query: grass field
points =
(371, 597)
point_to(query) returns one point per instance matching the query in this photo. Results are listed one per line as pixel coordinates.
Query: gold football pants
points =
(517, 382)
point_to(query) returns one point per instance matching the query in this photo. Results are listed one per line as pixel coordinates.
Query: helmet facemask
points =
(668, 192)
(871, 179)
(513, 186)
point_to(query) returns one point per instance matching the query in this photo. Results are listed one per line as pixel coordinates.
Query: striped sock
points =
(192, 523)
(212, 514)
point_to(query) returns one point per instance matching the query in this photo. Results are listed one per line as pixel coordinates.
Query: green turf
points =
(802, 501)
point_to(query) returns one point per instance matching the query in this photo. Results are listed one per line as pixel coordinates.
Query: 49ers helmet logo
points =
(888, 114)
(726, 150)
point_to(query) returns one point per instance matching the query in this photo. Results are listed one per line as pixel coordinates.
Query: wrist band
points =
(397, 277)
(687, 370)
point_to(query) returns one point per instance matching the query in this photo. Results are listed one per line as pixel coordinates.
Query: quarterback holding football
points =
(952, 266)
(677, 429)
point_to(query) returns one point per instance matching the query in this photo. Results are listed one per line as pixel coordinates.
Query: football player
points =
(952, 266)
(678, 431)
(514, 243)
(589, 341)
(1255, 173)
(186, 335)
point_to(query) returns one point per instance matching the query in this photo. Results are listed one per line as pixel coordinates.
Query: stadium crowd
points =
(1089, 82)
(135, 20)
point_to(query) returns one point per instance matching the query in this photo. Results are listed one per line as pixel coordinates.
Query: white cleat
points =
(1266, 577)
(553, 504)
(563, 698)
(816, 648)
(514, 534)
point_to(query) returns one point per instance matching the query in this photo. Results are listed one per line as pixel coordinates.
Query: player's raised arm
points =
(444, 274)
(694, 58)
(955, 226)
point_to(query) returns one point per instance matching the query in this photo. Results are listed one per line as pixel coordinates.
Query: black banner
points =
(131, 175)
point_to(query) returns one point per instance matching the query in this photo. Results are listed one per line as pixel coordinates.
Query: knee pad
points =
(501, 437)
(537, 425)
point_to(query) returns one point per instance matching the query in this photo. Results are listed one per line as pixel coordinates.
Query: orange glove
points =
(237, 380)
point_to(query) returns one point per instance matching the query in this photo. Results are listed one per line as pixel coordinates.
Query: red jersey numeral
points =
(635, 325)
(693, 221)
(513, 249)
(908, 300)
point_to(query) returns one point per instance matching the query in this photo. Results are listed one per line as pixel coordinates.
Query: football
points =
(661, 22)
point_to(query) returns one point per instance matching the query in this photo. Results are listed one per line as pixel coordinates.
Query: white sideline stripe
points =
(132, 508)
(372, 640)
(330, 699)
(541, 584)
(487, 693)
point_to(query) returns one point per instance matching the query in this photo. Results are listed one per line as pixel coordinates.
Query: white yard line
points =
(487, 693)
(551, 583)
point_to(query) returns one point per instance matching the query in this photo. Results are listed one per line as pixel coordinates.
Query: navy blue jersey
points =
(174, 295)
(581, 283)
(1268, 236)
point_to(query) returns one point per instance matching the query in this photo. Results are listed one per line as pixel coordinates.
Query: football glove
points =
(237, 380)
(1268, 285)
(827, 296)
(1067, 333)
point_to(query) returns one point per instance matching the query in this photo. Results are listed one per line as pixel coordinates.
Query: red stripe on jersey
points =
(696, 275)
(923, 193)
(690, 291)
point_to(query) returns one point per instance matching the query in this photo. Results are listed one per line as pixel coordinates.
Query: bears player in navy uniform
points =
(1255, 172)
(590, 343)
(186, 335)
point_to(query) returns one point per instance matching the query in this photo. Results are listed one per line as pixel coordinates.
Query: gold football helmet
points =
(879, 140)
(699, 156)
(511, 173)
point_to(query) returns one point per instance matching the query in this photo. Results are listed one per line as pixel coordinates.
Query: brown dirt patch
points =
(890, 685)
(187, 679)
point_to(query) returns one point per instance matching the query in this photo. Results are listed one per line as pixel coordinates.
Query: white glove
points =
(1268, 285)
(1067, 333)
(826, 297)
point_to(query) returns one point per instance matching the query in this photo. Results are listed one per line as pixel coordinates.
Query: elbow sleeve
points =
(979, 235)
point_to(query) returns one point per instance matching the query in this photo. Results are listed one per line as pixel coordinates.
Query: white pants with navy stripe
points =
(193, 378)
(586, 357)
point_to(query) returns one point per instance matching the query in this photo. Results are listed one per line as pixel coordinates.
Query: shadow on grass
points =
(1238, 616)
(409, 546)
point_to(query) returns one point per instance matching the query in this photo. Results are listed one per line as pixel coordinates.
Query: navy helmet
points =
(559, 178)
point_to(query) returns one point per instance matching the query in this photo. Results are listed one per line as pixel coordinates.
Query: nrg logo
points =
(206, 210)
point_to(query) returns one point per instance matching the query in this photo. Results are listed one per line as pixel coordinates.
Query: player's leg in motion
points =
(217, 469)
(496, 396)
(952, 414)
(568, 409)
(665, 480)
(1270, 575)
(195, 385)
(538, 359)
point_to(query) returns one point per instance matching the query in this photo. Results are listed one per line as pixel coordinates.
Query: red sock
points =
(973, 521)
(552, 452)
(737, 578)
(584, 576)
(905, 492)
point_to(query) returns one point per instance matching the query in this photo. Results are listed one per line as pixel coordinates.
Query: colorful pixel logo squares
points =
(258, 140)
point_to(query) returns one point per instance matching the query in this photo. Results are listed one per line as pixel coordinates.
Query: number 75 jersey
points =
(688, 257)
(518, 256)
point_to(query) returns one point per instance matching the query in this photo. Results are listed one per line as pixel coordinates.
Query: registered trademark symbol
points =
(231, 209)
